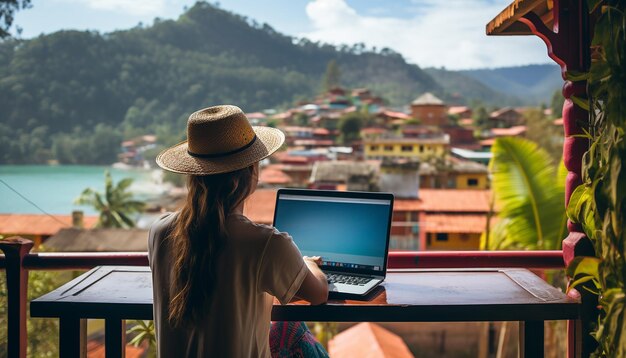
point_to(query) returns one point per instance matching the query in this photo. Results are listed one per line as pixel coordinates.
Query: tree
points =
(556, 104)
(350, 126)
(542, 131)
(481, 118)
(529, 195)
(115, 205)
(7, 11)
(331, 78)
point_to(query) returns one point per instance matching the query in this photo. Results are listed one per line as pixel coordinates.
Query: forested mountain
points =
(531, 84)
(74, 95)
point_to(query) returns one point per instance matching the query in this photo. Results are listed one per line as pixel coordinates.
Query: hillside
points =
(463, 88)
(74, 95)
(532, 84)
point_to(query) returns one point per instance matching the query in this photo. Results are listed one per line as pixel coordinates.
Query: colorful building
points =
(409, 148)
(429, 110)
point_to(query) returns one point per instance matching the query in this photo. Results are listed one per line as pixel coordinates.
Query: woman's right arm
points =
(314, 287)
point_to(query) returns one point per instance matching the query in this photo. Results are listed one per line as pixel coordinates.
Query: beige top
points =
(257, 263)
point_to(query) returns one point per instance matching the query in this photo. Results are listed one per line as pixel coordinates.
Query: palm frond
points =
(529, 200)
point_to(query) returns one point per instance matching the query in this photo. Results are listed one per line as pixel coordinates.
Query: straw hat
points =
(219, 140)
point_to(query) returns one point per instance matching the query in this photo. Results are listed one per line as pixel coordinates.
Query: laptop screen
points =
(348, 230)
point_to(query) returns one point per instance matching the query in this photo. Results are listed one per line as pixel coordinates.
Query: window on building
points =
(407, 148)
(442, 236)
(373, 147)
(472, 182)
(421, 149)
(388, 148)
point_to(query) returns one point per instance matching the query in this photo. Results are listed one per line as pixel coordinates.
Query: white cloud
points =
(440, 33)
(133, 7)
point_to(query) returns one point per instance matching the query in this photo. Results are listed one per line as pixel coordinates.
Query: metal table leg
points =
(531, 339)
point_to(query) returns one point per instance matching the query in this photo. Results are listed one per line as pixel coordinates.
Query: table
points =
(118, 293)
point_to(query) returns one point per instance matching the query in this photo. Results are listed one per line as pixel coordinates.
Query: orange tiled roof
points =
(513, 131)
(274, 176)
(368, 340)
(260, 205)
(458, 109)
(446, 200)
(397, 115)
(36, 224)
(454, 223)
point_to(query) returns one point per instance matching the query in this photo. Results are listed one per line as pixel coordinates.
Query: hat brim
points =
(176, 159)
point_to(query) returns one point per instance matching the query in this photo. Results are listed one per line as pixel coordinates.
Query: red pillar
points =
(15, 248)
(568, 45)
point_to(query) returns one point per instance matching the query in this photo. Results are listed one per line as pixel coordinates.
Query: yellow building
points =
(407, 148)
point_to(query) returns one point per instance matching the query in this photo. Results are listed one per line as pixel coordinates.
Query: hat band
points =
(217, 155)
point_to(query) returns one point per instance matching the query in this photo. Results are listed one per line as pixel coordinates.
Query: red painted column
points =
(15, 248)
(568, 45)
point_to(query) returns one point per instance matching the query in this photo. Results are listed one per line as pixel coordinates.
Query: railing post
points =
(15, 248)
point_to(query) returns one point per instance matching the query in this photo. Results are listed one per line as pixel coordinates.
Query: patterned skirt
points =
(294, 339)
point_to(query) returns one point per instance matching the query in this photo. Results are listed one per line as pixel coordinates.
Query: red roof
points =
(558, 121)
(259, 206)
(368, 340)
(488, 142)
(321, 131)
(36, 224)
(453, 223)
(458, 109)
(446, 200)
(509, 132)
(274, 176)
(396, 115)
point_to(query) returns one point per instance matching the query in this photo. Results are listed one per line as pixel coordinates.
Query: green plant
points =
(144, 332)
(529, 193)
(115, 205)
(599, 203)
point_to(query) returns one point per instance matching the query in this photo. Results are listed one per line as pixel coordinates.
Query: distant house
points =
(439, 219)
(460, 111)
(273, 176)
(429, 110)
(417, 148)
(381, 343)
(454, 174)
(515, 131)
(38, 227)
(359, 176)
(472, 155)
(99, 240)
(505, 117)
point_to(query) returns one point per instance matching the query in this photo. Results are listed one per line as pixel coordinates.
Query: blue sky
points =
(429, 33)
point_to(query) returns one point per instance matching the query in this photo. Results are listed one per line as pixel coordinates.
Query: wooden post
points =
(569, 45)
(15, 248)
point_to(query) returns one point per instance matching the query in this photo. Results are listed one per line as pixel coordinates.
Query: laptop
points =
(348, 230)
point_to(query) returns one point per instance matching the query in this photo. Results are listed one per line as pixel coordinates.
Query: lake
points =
(54, 188)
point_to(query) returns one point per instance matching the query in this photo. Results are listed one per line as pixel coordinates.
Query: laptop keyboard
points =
(348, 280)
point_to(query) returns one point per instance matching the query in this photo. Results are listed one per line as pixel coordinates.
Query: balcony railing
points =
(18, 260)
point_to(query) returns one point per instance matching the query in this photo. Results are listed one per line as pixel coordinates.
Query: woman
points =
(215, 273)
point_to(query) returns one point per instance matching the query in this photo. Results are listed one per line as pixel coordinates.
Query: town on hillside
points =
(432, 156)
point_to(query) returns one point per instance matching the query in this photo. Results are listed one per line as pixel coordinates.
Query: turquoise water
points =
(54, 188)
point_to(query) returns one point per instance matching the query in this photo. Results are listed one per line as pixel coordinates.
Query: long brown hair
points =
(197, 237)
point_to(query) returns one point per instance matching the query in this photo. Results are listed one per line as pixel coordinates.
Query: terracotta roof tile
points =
(36, 224)
(454, 223)
(368, 340)
(513, 131)
(274, 176)
(259, 206)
